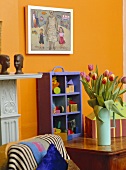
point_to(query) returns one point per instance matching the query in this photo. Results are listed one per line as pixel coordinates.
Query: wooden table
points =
(89, 156)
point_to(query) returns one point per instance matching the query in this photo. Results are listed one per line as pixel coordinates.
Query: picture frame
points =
(49, 30)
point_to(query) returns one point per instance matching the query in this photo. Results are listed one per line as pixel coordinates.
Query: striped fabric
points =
(58, 142)
(20, 156)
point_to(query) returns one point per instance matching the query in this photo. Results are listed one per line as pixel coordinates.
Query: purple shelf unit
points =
(45, 98)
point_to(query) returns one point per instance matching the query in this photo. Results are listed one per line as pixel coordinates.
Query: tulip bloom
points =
(90, 74)
(87, 78)
(83, 75)
(111, 77)
(90, 67)
(94, 76)
(106, 73)
(110, 73)
(104, 80)
(123, 80)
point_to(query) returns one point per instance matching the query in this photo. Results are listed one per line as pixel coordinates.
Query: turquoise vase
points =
(103, 128)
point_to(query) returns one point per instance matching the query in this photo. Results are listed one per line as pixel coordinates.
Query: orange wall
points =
(10, 28)
(97, 40)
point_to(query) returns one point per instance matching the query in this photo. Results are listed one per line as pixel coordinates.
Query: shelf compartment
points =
(75, 99)
(61, 81)
(76, 83)
(74, 123)
(59, 122)
(59, 101)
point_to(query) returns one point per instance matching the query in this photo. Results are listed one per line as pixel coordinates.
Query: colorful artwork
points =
(49, 30)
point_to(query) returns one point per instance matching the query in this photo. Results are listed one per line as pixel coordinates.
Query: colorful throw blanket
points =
(27, 155)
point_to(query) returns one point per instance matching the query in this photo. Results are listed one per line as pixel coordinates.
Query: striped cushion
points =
(21, 156)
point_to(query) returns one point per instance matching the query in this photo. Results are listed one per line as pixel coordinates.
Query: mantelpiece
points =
(9, 106)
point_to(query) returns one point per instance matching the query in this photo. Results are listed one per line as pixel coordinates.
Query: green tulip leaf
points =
(92, 84)
(87, 89)
(96, 112)
(97, 84)
(112, 85)
(92, 102)
(116, 110)
(96, 70)
(122, 91)
(120, 100)
(116, 90)
(100, 101)
(114, 96)
(109, 104)
(101, 89)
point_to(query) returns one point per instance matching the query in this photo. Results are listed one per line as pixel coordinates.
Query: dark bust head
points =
(5, 63)
(18, 63)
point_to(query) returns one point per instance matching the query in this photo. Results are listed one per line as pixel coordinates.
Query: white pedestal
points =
(9, 106)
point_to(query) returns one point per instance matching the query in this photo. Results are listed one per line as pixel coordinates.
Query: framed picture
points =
(49, 30)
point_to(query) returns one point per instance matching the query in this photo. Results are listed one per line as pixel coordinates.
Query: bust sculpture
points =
(5, 63)
(18, 63)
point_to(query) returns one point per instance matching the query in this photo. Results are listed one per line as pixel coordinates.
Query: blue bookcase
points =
(61, 109)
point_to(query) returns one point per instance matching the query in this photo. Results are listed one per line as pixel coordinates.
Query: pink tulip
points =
(104, 80)
(87, 78)
(83, 75)
(123, 80)
(90, 67)
(111, 77)
(106, 73)
(94, 76)
(110, 73)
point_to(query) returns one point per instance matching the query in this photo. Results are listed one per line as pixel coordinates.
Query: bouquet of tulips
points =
(103, 90)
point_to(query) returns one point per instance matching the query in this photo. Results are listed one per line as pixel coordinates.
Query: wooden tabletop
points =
(118, 145)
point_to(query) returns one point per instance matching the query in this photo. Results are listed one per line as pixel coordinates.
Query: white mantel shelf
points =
(13, 76)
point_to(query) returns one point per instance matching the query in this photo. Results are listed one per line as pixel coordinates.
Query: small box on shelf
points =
(67, 90)
(57, 111)
(71, 88)
(73, 107)
(67, 109)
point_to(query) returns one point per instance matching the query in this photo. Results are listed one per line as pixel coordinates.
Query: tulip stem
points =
(118, 92)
